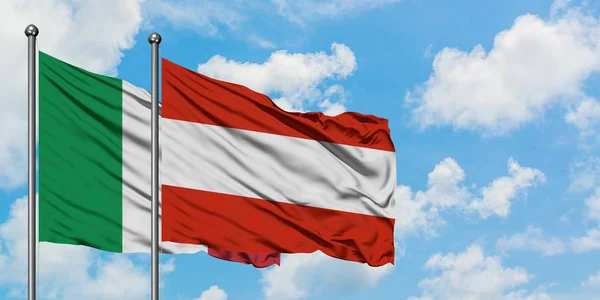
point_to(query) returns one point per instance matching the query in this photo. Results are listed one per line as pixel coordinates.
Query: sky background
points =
(493, 110)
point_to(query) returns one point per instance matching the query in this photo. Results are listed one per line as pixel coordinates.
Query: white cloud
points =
(533, 240)
(472, 275)
(592, 203)
(585, 117)
(498, 194)
(585, 175)
(296, 77)
(65, 271)
(302, 274)
(334, 101)
(415, 214)
(444, 185)
(420, 211)
(524, 295)
(213, 293)
(332, 109)
(593, 282)
(117, 278)
(68, 30)
(589, 242)
(533, 65)
(301, 11)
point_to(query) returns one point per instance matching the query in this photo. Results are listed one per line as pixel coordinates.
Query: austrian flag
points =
(240, 174)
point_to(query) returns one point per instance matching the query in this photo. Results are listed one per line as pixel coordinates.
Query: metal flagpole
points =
(31, 32)
(154, 39)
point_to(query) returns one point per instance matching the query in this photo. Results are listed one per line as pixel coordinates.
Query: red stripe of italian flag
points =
(239, 173)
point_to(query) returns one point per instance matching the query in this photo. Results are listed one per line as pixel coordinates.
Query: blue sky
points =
(493, 109)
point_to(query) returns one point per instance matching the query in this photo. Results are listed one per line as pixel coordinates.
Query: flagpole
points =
(31, 32)
(154, 39)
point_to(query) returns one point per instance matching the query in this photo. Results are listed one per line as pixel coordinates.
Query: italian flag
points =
(94, 164)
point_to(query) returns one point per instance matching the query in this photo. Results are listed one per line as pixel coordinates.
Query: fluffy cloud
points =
(592, 203)
(593, 282)
(302, 274)
(532, 65)
(586, 117)
(301, 11)
(420, 211)
(525, 295)
(472, 275)
(415, 214)
(66, 272)
(213, 293)
(589, 242)
(585, 177)
(297, 78)
(533, 240)
(496, 197)
(68, 30)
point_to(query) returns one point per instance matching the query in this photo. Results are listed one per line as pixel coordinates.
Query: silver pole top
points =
(32, 30)
(154, 38)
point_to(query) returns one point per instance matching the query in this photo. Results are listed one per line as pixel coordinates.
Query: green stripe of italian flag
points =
(94, 161)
